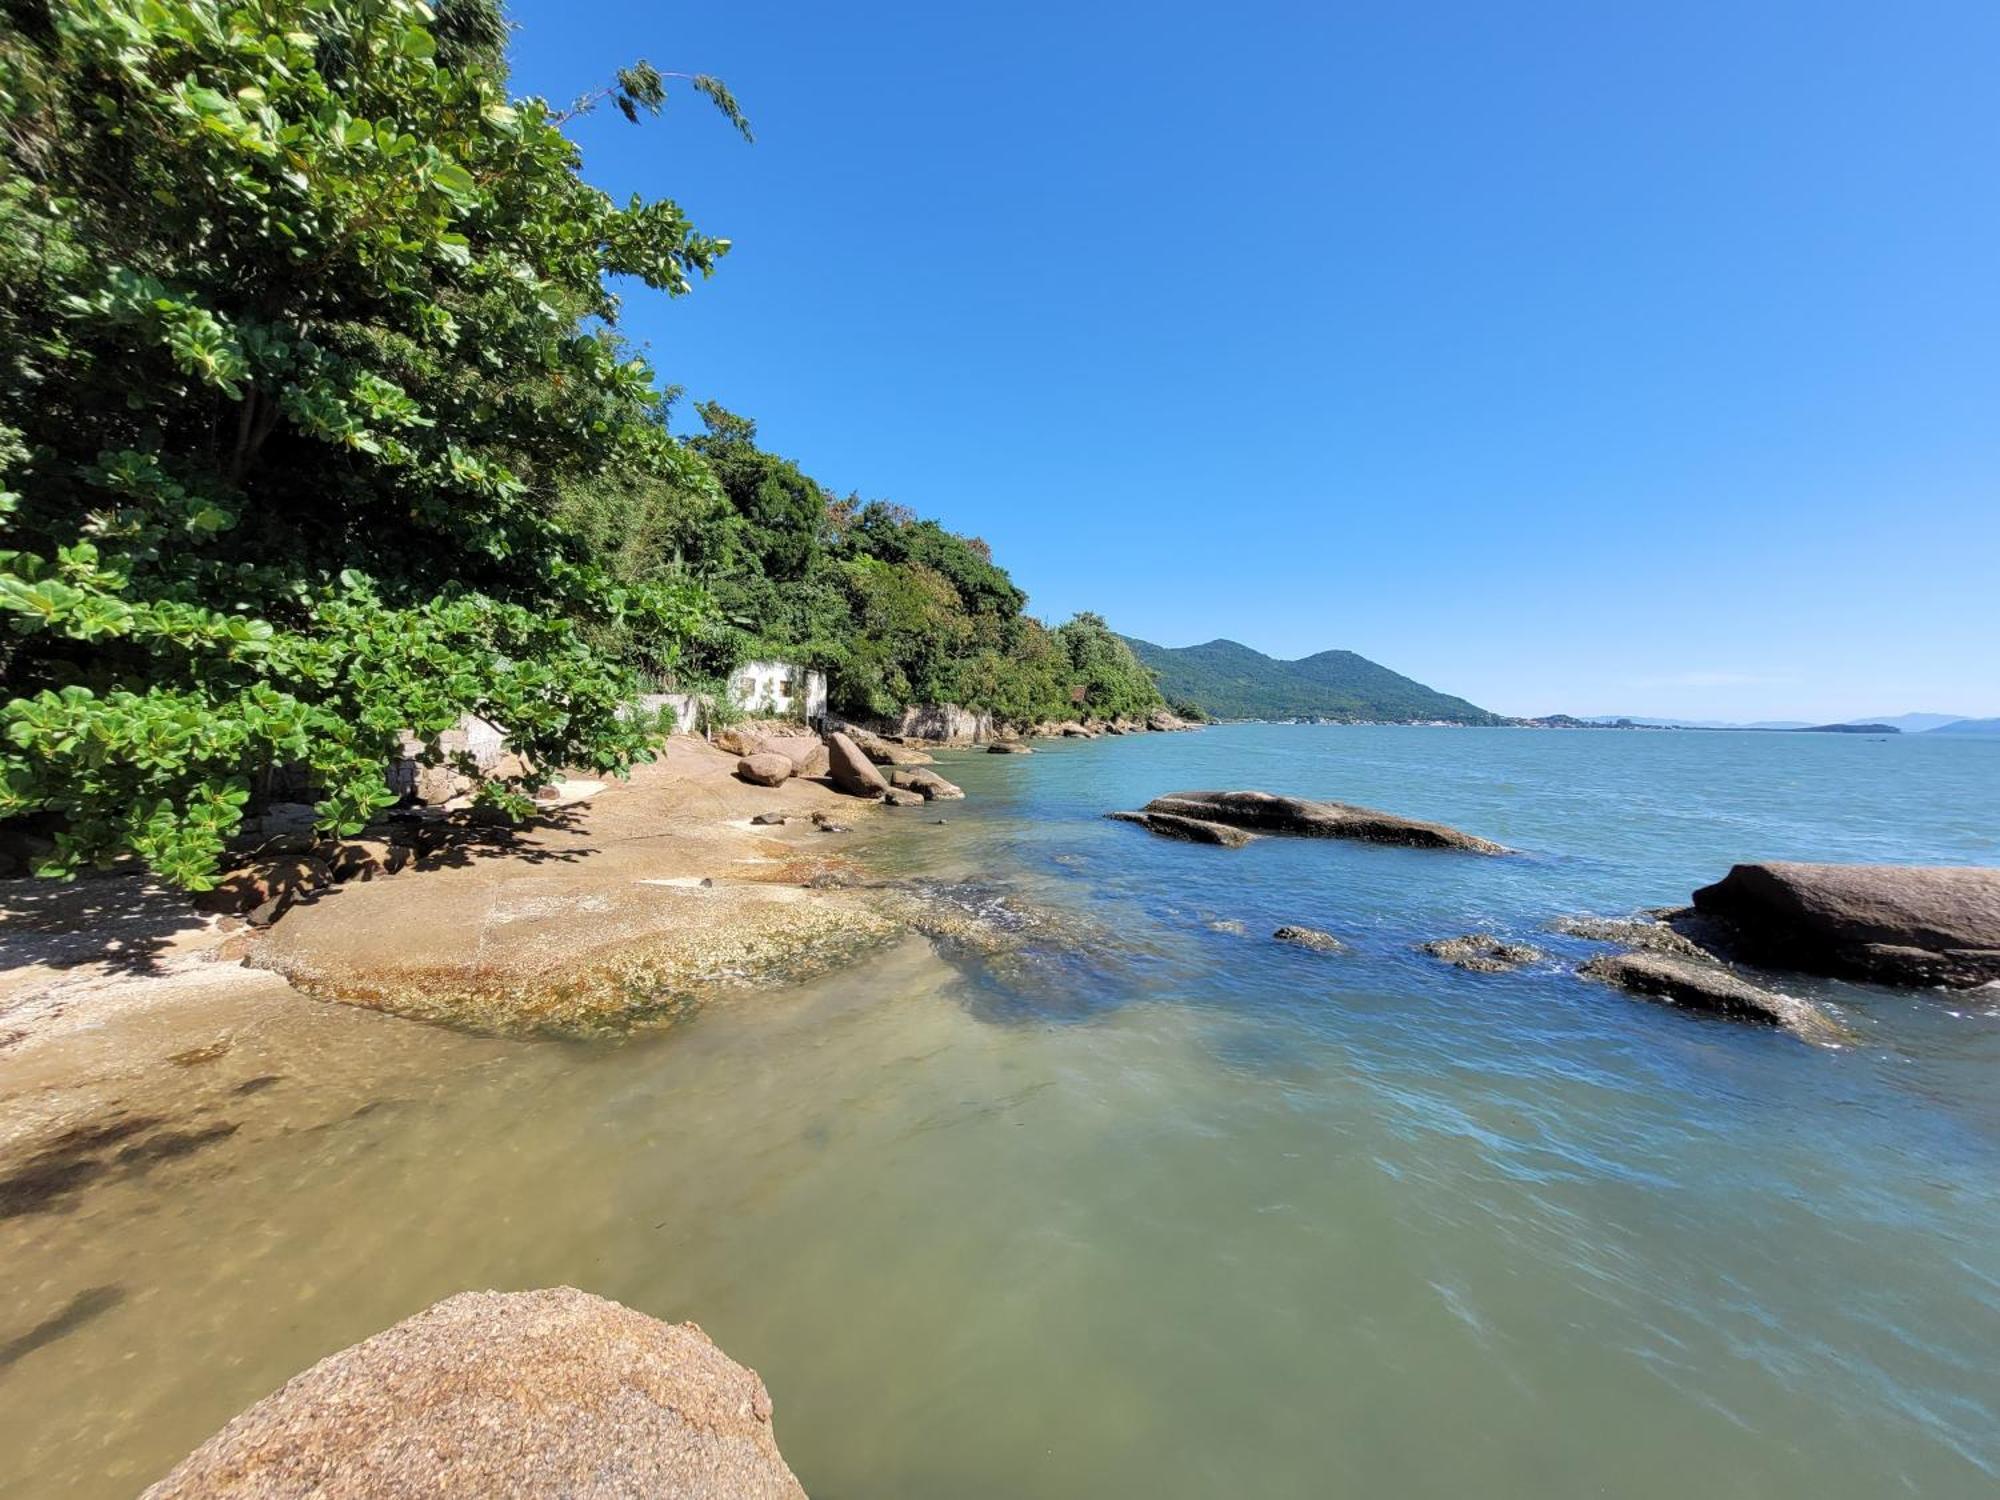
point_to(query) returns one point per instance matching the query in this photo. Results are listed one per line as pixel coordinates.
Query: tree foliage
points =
(316, 430)
(298, 311)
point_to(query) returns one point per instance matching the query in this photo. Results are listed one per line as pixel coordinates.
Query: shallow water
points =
(1187, 1213)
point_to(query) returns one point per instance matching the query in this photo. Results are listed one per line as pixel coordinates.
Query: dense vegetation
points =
(1231, 681)
(315, 428)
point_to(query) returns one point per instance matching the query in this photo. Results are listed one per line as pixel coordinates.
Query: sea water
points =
(1164, 1208)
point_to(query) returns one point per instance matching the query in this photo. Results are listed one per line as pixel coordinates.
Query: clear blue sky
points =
(1573, 356)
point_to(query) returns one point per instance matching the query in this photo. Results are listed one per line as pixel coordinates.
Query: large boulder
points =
(885, 752)
(504, 1396)
(764, 769)
(1008, 747)
(852, 772)
(1333, 820)
(1710, 987)
(806, 752)
(1892, 924)
(933, 786)
(1192, 830)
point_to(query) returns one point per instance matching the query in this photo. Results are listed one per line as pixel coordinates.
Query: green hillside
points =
(1230, 681)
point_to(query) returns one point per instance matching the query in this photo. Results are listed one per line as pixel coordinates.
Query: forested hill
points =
(1230, 681)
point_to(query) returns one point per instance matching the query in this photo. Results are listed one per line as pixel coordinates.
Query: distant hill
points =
(1230, 681)
(1968, 726)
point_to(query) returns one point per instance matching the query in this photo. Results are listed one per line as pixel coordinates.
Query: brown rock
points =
(897, 796)
(1892, 924)
(1483, 953)
(263, 881)
(852, 772)
(764, 770)
(365, 859)
(886, 752)
(1710, 987)
(806, 752)
(504, 1396)
(1008, 747)
(738, 742)
(927, 784)
(1193, 830)
(1298, 816)
(1309, 937)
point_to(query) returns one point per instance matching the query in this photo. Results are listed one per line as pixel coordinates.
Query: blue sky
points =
(1585, 357)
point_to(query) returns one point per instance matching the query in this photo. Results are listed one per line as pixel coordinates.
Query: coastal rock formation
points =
(1164, 721)
(897, 796)
(764, 769)
(884, 752)
(945, 724)
(1194, 830)
(933, 787)
(505, 1396)
(1307, 819)
(1309, 937)
(257, 884)
(1710, 987)
(852, 772)
(1483, 953)
(1655, 934)
(1008, 747)
(1892, 924)
(806, 752)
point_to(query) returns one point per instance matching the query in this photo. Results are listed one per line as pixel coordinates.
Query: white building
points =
(778, 688)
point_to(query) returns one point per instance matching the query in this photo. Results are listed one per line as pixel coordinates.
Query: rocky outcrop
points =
(852, 772)
(1652, 933)
(1164, 721)
(807, 752)
(1306, 819)
(1890, 924)
(884, 752)
(1193, 830)
(254, 886)
(764, 769)
(1700, 985)
(1310, 938)
(931, 786)
(945, 723)
(505, 1396)
(1008, 747)
(1483, 953)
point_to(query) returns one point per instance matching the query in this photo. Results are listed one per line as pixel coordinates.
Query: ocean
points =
(1155, 1206)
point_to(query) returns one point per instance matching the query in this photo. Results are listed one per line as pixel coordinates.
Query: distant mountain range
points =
(1902, 723)
(1228, 680)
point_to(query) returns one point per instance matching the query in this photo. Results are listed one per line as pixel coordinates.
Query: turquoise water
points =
(1186, 1213)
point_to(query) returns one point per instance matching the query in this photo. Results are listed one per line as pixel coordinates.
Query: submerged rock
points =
(1309, 937)
(852, 772)
(1892, 924)
(1710, 987)
(1483, 953)
(1194, 830)
(1299, 816)
(504, 1396)
(897, 796)
(1651, 933)
(1008, 747)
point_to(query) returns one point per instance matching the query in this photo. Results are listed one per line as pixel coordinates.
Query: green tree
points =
(296, 363)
